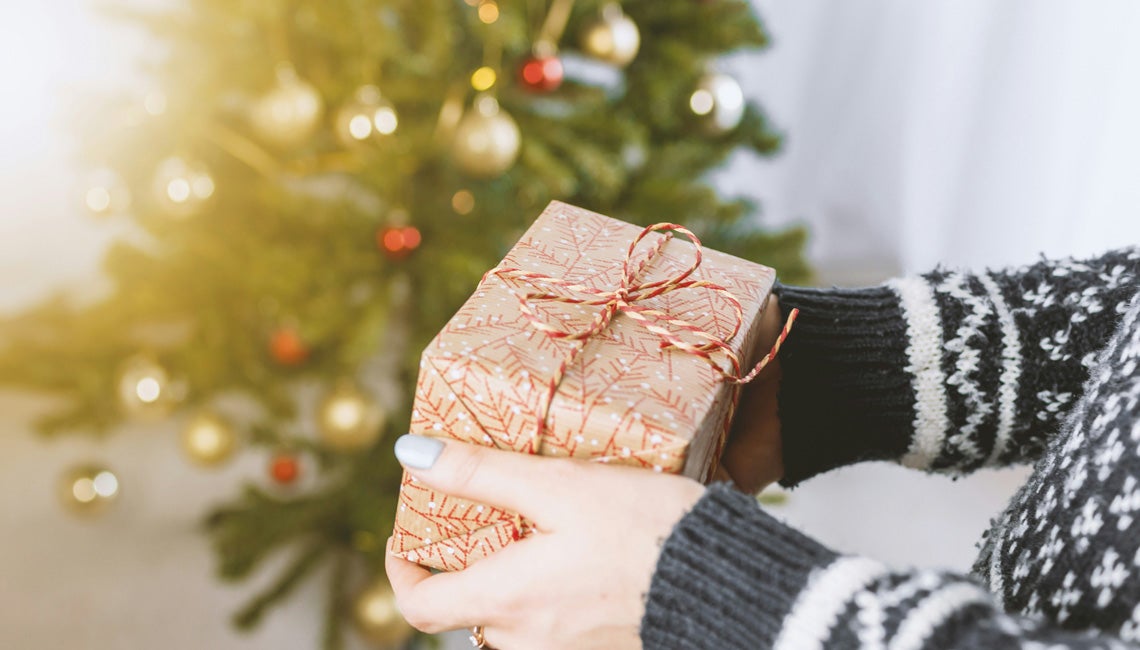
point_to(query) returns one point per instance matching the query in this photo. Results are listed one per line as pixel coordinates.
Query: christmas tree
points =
(316, 187)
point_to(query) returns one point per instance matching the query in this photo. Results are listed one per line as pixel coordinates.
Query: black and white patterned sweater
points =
(943, 372)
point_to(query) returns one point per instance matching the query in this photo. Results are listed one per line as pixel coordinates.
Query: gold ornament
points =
(486, 140)
(208, 439)
(366, 117)
(614, 38)
(88, 489)
(348, 418)
(718, 101)
(377, 617)
(105, 193)
(289, 112)
(144, 386)
(182, 186)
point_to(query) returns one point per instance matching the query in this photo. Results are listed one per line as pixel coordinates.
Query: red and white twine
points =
(624, 299)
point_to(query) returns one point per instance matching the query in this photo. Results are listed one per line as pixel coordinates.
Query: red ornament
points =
(287, 347)
(398, 242)
(284, 468)
(541, 74)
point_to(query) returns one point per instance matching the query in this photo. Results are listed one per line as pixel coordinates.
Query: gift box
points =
(592, 339)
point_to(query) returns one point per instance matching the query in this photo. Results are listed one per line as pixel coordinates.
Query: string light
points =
(148, 390)
(98, 200)
(483, 78)
(385, 120)
(701, 101)
(399, 241)
(102, 485)
(463, 202)
(488, 11)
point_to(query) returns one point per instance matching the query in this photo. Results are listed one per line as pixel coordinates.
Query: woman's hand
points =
(580, 581)
(753, 457)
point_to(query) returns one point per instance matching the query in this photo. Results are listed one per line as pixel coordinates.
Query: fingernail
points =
(417, 452)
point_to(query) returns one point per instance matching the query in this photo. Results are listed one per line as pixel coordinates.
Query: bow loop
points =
(628, 298)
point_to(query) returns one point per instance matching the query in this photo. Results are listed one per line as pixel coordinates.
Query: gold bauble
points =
(348, 418)
(182, 186)
(718, 102)
(367, 117)
(614, 38)
(144, 386)
(208, 439)
(487, 140)
(289, 112)
(105, 193)
(88, 489)
(376, 616)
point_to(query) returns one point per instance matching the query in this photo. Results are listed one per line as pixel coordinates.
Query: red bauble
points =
(541, 74)
(284, 469)
(287, 347)
(398, 242)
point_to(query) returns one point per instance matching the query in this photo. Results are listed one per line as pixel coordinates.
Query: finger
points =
(753, 455)
(434, 603)
(539, 488)
(771, 323)
(721, 475)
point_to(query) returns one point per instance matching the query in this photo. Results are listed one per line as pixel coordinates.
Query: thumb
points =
(532, 486)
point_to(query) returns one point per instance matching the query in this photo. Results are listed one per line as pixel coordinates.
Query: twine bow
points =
(624, 299)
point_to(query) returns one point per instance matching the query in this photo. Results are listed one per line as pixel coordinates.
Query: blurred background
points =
(971, 133)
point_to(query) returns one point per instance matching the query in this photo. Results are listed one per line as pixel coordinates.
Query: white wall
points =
(970, 132)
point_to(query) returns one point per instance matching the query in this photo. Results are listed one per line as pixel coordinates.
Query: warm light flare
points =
(83, 490)
(148, 389)
(463, 202)
(701, 102)
(399, 240)
(483, 78)
(346, 414)
(98, 200)
(360, 127)
(105, 484)
(385, 120)
(178, 190)
(488, 11)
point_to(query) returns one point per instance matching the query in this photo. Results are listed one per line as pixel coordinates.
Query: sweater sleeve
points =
(732, 577)
(946, 371)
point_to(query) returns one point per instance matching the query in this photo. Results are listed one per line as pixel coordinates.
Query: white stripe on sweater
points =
(827, 594)
(964, 378)
(933, 611)
(924, 355)
(996, 581)
(1010, 369)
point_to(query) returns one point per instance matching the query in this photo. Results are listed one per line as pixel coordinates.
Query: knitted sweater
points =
(943, 372)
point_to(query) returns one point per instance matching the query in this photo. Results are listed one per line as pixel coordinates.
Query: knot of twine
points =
(625, 298)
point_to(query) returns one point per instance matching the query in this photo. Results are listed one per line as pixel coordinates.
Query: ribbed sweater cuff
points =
(727, 576)
(845, 395)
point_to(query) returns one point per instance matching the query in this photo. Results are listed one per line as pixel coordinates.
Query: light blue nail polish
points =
(417, 452)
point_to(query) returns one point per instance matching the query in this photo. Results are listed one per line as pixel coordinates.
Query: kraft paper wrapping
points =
(623, 399)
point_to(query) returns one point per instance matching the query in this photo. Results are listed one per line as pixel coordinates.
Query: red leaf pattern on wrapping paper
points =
(623, 399)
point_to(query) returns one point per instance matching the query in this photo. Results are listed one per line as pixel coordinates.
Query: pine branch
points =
(302, 565)
(332, 637)
(289, 236)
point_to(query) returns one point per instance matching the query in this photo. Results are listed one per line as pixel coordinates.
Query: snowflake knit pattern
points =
(944, 372)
